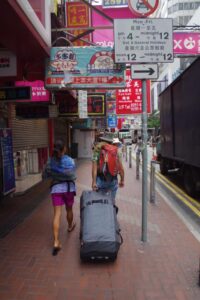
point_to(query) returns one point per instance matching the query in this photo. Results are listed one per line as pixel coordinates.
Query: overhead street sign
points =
(143, 40)
(143, 7)
(147, 71)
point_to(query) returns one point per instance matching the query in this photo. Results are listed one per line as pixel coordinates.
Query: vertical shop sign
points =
(8, 173)
(112, 121)
(82, 104)
(78, 15)
(129, 100)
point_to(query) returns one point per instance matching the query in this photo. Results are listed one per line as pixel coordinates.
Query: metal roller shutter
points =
(28, 134)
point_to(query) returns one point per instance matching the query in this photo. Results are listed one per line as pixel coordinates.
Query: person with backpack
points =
(61, 169)
(106, 165)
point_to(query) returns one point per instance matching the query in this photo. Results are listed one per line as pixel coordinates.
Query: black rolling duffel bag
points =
(99, 233)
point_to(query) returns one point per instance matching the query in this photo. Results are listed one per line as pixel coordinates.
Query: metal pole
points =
(137, 165)
(152, 183)
(130, 157)
(144, 162)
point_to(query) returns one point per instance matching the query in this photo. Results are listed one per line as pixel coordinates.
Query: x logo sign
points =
(177, 44)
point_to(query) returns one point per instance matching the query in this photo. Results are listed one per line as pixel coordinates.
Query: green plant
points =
(154, 120)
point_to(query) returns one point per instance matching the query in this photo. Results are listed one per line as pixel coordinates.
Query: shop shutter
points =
(28, 134)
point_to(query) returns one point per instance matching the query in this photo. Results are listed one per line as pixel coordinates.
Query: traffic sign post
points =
(144, 162)
(144, 71)
(143, 40)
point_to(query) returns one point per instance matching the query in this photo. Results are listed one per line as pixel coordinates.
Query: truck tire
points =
(163, 166)
(189, 182)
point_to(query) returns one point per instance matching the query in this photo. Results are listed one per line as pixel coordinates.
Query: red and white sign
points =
(186, 42)
(143, 8)
(129, 100)
(39, 93)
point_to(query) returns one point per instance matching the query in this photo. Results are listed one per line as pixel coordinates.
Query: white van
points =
(124, 135)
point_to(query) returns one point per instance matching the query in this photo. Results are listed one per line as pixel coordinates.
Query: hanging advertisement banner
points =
(129, 100)
(39, 93)
(78, 15)
(6, 156)
(87, 67)
(95, 106)
(186, 43)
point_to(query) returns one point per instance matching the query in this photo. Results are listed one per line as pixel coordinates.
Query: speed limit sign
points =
(143, 8)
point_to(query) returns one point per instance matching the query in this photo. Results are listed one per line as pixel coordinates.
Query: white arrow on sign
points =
(144, 71)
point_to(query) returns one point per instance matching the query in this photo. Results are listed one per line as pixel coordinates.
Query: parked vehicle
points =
(127, 140)
(124, 132)
(180, 128)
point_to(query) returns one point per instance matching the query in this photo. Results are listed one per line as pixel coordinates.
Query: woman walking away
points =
(61, 168)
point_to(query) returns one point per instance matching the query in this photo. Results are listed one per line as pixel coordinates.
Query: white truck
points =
(124, 135)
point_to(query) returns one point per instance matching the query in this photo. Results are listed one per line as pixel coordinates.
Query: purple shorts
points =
(59, 199)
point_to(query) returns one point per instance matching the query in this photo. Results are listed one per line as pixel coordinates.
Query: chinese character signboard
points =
(78, 16)
(88, 67)
(143, 40)
(95, 106)
(82, 104)
(39, 93)
(129, 100)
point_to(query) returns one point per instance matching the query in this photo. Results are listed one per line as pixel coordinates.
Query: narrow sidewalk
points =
(164, 268)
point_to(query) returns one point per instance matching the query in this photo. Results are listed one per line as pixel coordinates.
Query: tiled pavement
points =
(163, 268)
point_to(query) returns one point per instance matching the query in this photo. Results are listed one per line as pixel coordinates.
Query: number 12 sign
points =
(143, 40)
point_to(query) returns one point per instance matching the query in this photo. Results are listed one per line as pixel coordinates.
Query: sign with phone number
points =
(143, 40)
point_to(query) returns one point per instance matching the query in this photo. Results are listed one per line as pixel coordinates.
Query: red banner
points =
(78, 16)
(129, 100)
